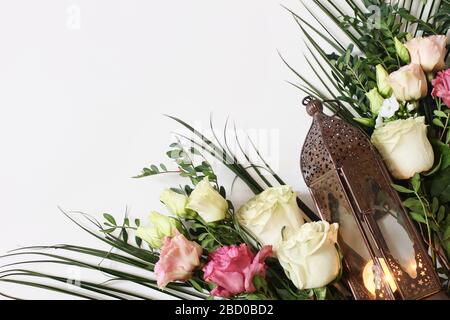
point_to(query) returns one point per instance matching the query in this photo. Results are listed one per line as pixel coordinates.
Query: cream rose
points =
(207, 202)
(404, 146)
(175, 202)
(161, 227)
(428, 52)
(266, 215)
(409, 83)
(309, 255)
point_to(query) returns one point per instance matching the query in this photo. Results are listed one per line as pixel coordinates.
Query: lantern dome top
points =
(313, 106)
(329, 143)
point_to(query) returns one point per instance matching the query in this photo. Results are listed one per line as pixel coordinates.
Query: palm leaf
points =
(90, 286)
(330, 39)
(347, 31)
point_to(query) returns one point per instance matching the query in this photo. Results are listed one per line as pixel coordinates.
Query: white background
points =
(82, 108)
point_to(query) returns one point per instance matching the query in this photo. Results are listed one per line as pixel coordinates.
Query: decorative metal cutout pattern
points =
(359, 290)
(329, 143)
(414, 287)
(315, 158)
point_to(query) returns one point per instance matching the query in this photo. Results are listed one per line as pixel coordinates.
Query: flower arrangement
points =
(391, 81)
(201, 247)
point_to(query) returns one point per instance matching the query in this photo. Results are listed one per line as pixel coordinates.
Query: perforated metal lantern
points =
(383, 254)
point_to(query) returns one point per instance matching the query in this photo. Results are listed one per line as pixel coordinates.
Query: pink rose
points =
(409, 83)
(428, 52)
(233, 268)
(441, 86)
(178, 259)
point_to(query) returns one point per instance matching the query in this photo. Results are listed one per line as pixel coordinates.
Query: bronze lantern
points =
(384, 258)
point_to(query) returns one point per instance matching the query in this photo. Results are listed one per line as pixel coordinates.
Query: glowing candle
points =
(369, 279)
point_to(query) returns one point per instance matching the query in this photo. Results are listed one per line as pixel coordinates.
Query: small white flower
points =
(389, 108)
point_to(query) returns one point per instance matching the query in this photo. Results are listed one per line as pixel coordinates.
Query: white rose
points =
(175, 202)
(409, 83)
(428, 52)
(207, 202)
(309, 256)
(268, 213)
(404, 146)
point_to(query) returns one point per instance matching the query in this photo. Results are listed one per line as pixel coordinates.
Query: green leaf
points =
(368, 122)
(125, 235)
(440, 114)
(441, 214)
(196, 286)
(413, 204)
(438, 123)
(138, 241)
(260, 284)
(447, 233)
(110, 218)
(320, 293)
(402, 189)
(416, 182)
(110, 230)
(435, 169)
(440, 186)
(203, 236)
(418, 217)
(445, 153)
(435, 205)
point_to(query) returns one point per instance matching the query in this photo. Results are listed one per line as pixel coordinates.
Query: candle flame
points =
(369, 279)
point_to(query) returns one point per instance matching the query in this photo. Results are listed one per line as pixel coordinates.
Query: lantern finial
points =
(313, 106)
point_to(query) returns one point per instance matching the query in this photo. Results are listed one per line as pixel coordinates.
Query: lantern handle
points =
(307, 100)
(314, 106)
